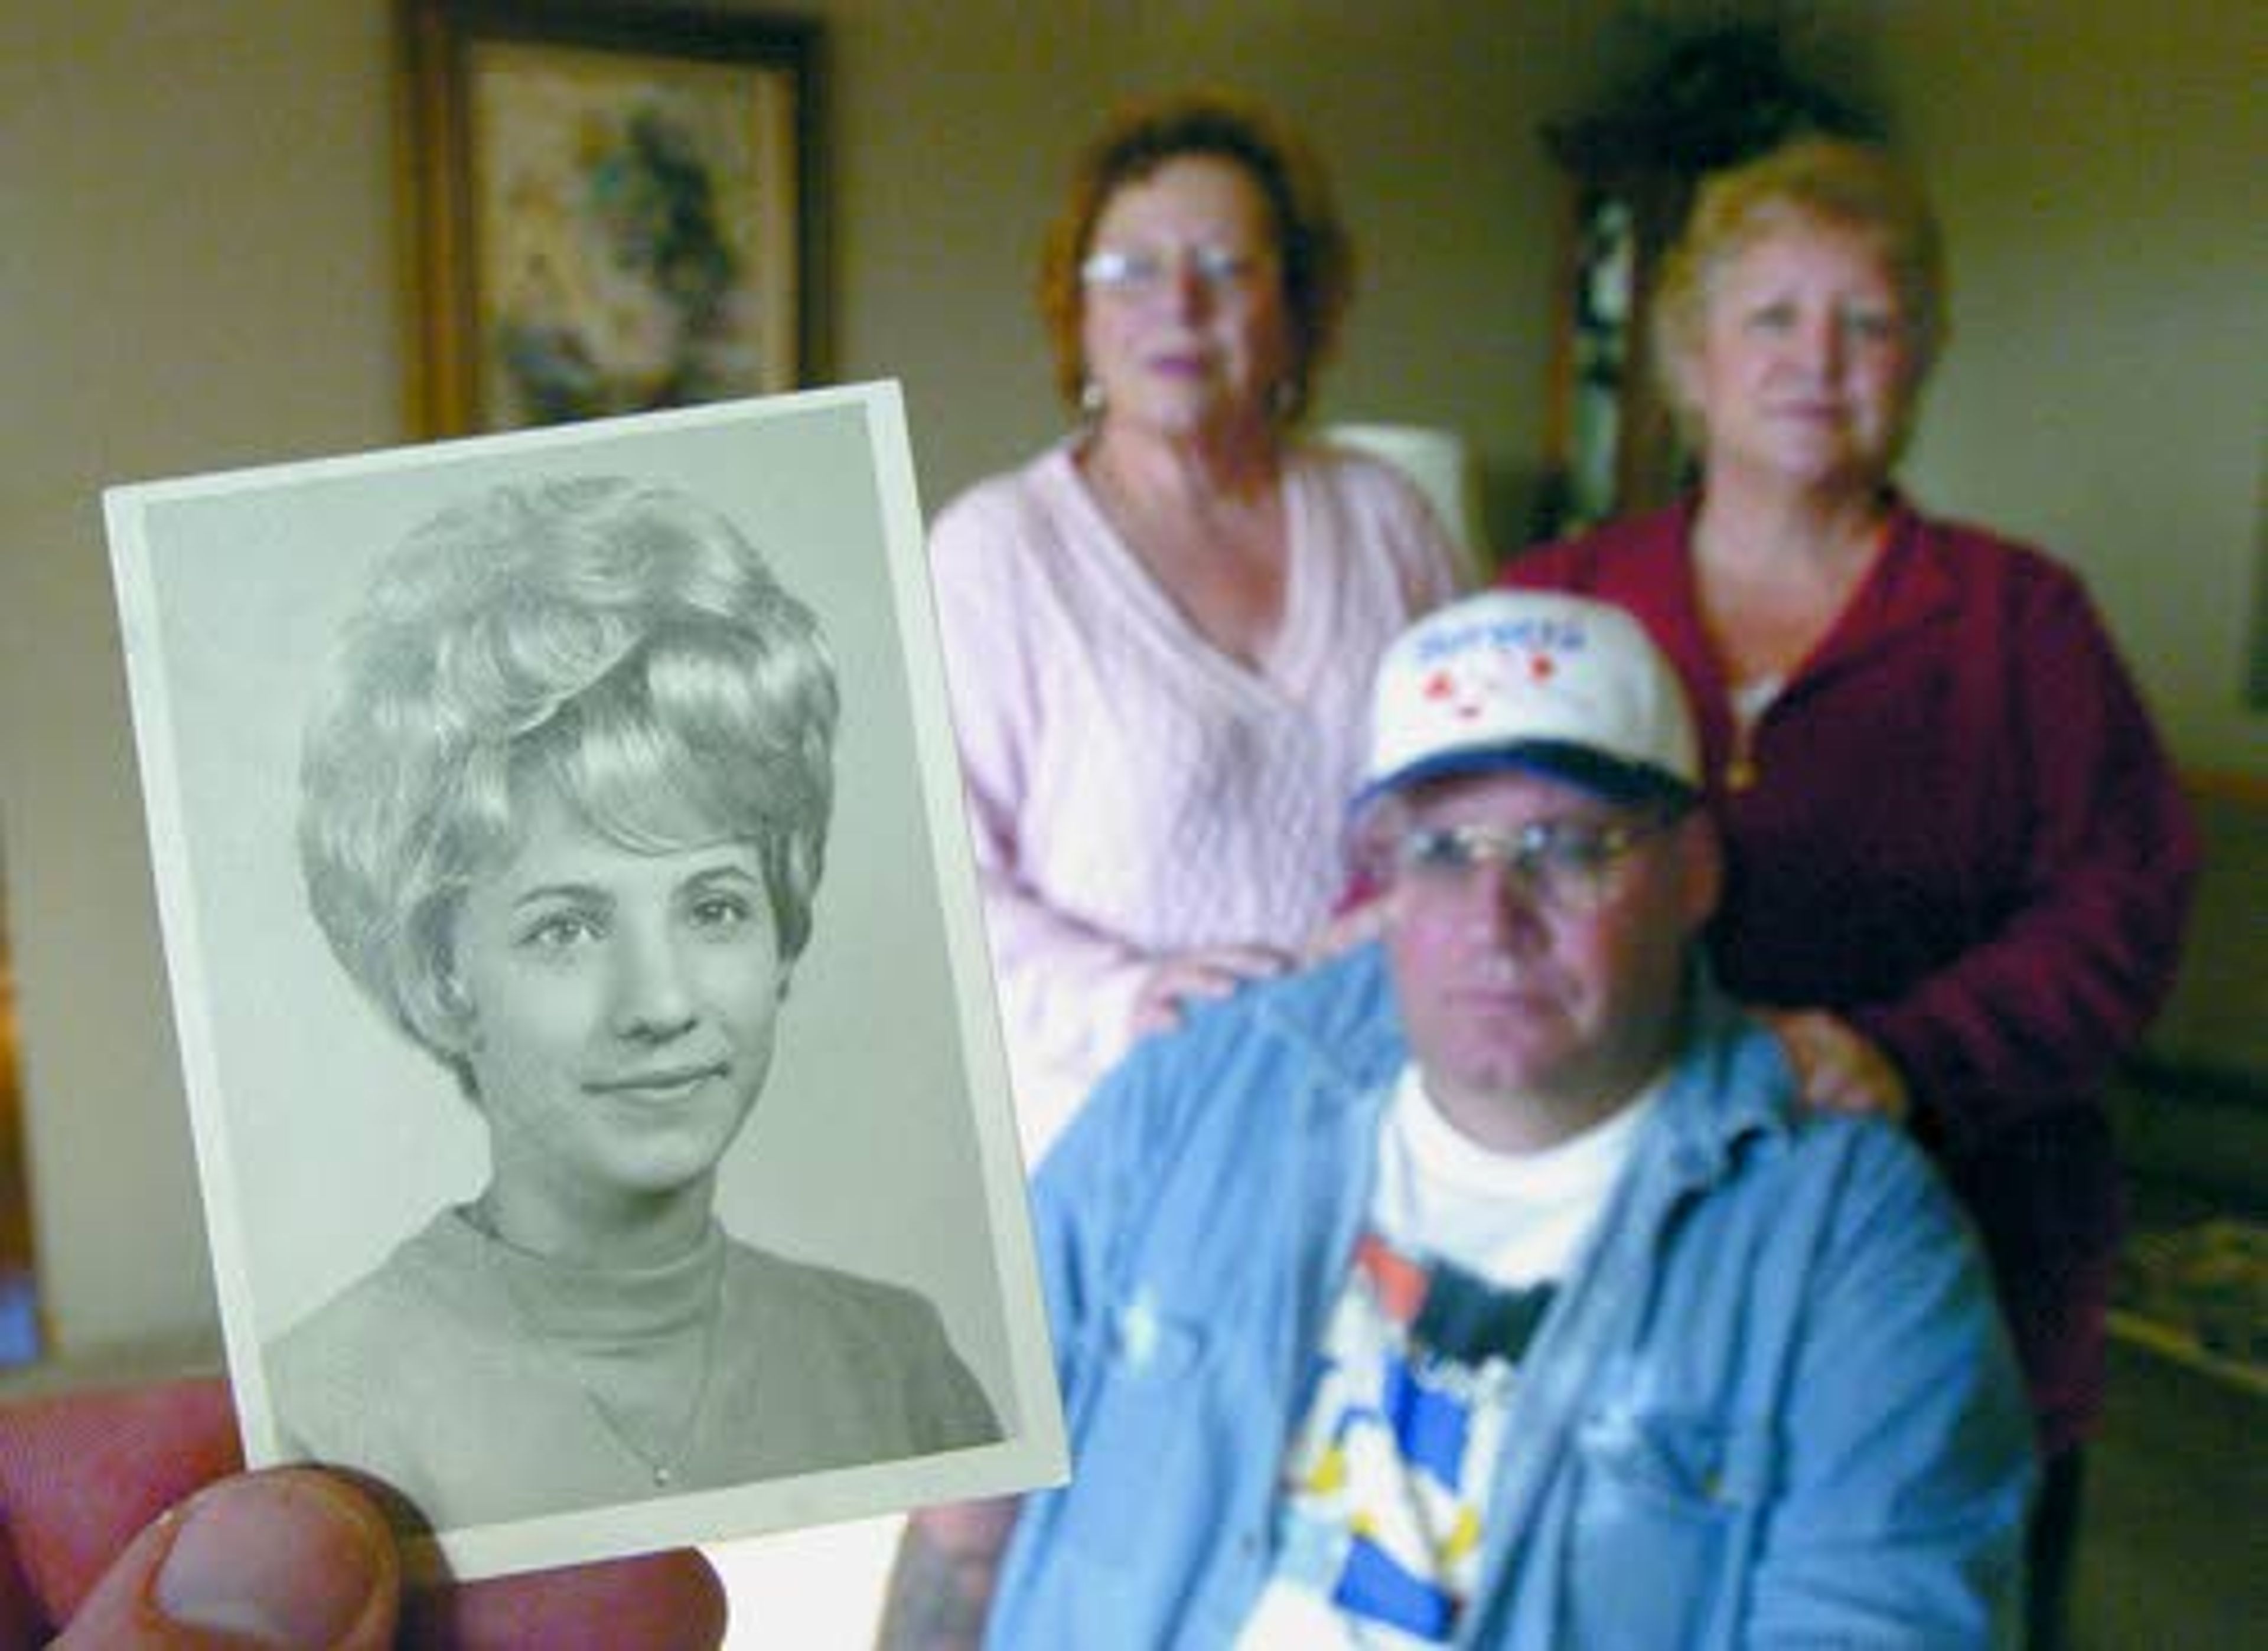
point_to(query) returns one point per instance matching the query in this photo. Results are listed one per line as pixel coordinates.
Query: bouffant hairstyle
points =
(1313, 256)
(616, 642)
(1834, 183)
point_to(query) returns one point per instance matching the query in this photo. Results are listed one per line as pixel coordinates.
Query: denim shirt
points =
(1771, 1405)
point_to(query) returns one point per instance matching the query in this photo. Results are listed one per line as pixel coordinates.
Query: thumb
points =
(292, 1557)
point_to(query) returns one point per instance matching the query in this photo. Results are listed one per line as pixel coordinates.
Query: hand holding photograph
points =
(559, 789)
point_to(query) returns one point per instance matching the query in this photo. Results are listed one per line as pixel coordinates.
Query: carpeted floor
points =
(2201, 1290)
(2171, 1541)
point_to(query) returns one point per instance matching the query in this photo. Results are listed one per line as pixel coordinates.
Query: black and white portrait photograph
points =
(600, 1111)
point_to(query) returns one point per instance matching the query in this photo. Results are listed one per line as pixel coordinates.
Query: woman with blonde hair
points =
(562, 820)
(1959, 860)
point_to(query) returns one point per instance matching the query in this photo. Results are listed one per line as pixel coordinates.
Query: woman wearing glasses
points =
(1160, 631)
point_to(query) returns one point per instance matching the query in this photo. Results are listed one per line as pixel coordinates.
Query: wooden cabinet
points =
(1614, 445)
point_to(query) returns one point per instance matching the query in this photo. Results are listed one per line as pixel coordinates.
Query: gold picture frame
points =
(612, 209)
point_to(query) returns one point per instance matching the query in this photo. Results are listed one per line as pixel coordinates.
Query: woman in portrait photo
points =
(563, 817)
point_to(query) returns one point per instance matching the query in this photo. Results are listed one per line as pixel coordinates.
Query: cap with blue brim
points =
(1540, 682)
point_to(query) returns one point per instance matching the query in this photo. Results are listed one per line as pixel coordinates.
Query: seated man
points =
(1487, 1286)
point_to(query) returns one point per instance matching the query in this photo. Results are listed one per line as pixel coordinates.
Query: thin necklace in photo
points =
(665, 1460)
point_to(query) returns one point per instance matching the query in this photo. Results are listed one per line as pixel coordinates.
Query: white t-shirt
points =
(1385, 1486)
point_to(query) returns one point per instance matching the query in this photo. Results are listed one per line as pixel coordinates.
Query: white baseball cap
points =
(1552, 684)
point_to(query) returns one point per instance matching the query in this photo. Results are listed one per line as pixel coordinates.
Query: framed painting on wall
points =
(613, 209)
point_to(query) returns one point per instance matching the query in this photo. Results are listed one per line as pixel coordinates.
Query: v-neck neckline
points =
(1279, 668)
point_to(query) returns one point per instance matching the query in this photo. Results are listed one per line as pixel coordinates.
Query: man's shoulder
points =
(1235, 1071)
(1735, 1101)
(1335, 1021)
(1786, 1162)
(1816, 1211)
(1870, 1158)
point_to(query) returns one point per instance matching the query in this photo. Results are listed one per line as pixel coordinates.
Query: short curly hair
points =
(1314, 254)
(614, 640)
(1832, 182)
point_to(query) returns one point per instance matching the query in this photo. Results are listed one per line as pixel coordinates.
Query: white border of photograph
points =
(883, 1142)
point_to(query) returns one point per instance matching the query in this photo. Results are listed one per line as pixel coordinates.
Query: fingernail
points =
(281, 1560)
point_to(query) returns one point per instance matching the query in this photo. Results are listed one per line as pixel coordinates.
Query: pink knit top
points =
(1134, 791)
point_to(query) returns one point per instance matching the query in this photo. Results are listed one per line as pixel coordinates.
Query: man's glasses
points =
(1144, 274)
(1566, 865)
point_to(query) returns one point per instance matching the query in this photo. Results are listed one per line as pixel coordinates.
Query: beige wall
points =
(196, 246)
(2099, 169)
(954, 124)
(195, 204)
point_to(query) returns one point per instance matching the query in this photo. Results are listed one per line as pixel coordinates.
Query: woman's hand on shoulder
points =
(1201, 975)
(1360, 920)
(1838, 1069)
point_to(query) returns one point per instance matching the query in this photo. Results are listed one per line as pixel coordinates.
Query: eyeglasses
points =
(1565, 865)
(1142, 274)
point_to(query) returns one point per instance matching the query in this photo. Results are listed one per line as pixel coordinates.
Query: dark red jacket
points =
(1956, 828)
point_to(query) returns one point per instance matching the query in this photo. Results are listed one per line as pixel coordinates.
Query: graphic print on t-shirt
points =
(1386, 1483)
